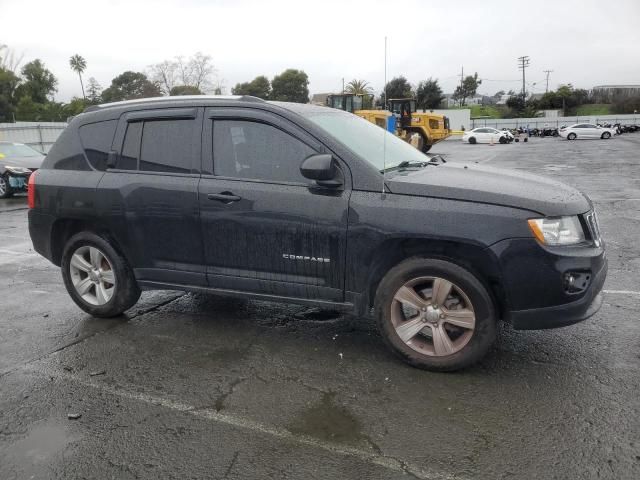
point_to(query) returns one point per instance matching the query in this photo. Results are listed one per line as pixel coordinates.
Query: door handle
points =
(225, 197)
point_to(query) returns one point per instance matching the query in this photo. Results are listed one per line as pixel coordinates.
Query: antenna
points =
(386, 101)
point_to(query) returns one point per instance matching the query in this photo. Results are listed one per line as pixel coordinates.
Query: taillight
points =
(31, 190)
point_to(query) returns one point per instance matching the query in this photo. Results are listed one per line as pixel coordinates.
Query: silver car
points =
(17, 161)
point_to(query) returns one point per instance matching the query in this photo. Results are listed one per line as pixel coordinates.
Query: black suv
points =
(298, 203)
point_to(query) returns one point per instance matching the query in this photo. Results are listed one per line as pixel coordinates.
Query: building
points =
(319, 98)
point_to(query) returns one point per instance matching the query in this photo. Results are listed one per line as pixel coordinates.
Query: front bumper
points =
(563, 315)
(533, 284)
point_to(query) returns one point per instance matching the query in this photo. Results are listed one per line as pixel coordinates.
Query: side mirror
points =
(322, 169)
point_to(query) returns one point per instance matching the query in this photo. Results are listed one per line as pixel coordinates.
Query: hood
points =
(26, 162)
(477, 183)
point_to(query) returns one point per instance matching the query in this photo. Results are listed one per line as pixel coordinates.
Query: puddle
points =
(35, 453)
(556, 168)
(328, 421)
(318, 315)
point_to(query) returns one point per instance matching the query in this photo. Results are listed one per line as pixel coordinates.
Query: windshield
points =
(17, 150)
(380, 148)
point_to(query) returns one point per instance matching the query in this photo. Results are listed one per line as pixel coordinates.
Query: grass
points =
(594, 109)
(490, 111)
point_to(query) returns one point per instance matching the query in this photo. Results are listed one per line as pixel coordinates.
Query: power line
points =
(523, 63)
(547, 72)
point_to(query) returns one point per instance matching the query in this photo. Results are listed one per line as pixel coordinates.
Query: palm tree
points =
(358, 87)
(79, 64)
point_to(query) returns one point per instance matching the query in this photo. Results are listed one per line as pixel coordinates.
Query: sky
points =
(585, 42)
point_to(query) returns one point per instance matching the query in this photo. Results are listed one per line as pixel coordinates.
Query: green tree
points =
(290, 86)
(358, 87)
(8, 83)
(78, 64)
(258, 87)
(94, 92)
(27, 110)
(467, 89)
(624, 104)
(184, 90)
(429, 94)
(130, 85)
(38, 82)
(398, 87)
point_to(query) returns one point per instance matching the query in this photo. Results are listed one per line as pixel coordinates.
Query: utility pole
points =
(547, 72)
(523, 63)
(342, 84)
(461, 81)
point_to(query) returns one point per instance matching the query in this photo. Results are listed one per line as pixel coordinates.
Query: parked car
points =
(17, 161)
(586, 130)
(300, 203)
(485, 135)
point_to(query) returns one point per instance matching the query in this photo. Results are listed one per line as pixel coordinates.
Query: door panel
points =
(150, 200)
(274, 237)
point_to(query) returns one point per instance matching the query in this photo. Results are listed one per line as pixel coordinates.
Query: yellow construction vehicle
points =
(422, 130)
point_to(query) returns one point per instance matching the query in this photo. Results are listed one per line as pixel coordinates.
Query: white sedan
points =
(486, 135)
(586, 130)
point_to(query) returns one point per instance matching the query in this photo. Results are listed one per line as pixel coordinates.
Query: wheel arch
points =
(476, 259)
(64, 228)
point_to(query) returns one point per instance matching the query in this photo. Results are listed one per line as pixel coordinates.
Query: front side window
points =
(253, 150)
(167, 146)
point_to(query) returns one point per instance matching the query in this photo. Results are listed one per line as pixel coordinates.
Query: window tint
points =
(167, 146)
(96, 140)
(131, 148)
(245, 149)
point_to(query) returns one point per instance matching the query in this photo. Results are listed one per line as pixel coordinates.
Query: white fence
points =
(39, 135)
(541, 122)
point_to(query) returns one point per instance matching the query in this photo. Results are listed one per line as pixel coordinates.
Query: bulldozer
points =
(422, 130)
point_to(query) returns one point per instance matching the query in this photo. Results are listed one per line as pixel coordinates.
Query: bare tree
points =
(196, 71)
(165, 74)
(9, 60)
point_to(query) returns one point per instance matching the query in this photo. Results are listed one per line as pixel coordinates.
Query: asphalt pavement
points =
(195, 386)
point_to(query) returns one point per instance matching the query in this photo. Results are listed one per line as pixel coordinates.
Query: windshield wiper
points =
(435, 160)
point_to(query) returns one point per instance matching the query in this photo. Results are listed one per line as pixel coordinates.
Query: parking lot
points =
(194, 386)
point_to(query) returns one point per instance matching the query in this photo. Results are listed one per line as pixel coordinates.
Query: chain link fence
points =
(554, 122)
(39, 135)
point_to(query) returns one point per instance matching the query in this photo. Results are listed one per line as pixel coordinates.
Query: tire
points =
(468, 345)
(124, 291)
(572, 136)
(5, 189)
(605, 136)
(502, 140)
(472, 140)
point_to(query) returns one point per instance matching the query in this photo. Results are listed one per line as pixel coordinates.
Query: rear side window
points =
(167, 146)
(253, 150)
(96, 140)
(131, 148)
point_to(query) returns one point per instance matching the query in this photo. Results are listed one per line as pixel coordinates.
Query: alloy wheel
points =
(3, 186)
(92, 275)
(433, 316)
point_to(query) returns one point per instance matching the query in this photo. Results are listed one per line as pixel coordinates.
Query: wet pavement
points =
(195, 386)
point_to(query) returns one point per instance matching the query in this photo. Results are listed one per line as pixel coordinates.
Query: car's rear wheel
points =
(472, 140)
(435, 314)
(572, 136)
(97, 277)
(5, 189)
(605, 135)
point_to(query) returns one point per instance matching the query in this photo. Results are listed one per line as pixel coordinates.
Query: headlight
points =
(557, 231)
(16, 169)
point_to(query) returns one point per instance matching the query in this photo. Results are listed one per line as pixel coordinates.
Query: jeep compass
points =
(311, 205)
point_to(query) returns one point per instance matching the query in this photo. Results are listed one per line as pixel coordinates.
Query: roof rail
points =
(244, 98)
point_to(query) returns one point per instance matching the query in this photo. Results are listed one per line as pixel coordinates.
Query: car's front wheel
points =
(5, 189)
(97, 277)
(472, 140)
(435, 314)
(572, 136)
(605, 135)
